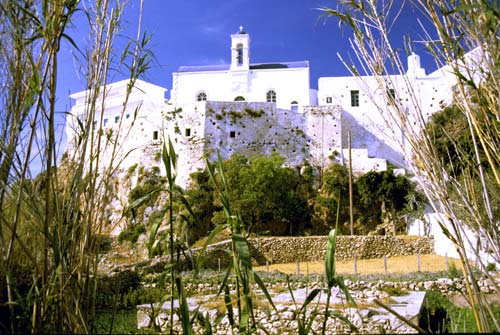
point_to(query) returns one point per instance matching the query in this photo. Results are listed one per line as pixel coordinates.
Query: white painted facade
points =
(129, 131)
(280, 113)
(253, 82)
(362, 98)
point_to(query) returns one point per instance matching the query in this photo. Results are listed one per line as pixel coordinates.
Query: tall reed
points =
(451, 30)
(50, 224)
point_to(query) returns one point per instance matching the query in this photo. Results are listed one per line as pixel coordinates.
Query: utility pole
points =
(351, 217)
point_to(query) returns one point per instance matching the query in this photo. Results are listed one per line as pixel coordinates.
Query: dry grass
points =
(397, 264)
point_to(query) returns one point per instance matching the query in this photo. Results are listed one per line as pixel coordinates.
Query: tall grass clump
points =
(462, 36)
(49, 223)
(241, 263)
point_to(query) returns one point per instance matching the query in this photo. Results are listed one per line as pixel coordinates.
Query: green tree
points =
(333, 193)
(270, 197)
(201, 197)
(382, 194)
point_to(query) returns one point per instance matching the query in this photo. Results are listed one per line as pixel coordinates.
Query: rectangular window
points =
(117, 118)
(355, 98)
(328, 100)
(187, 132)
(105, 122)
(127, 116)
(232, 134)
(155, 135)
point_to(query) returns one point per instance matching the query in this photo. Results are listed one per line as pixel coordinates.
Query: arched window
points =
(271, 96)
(239, 54)
(294, 106)
(239, 98)
(202, 96)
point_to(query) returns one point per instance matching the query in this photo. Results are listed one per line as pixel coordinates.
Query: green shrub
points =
(155, 169)
(434, 313)
(254, 113)
(132, 168)
(132, 233)
(157, 156)
(394, 291)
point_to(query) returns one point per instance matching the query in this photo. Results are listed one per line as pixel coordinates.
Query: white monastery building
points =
(252, 109)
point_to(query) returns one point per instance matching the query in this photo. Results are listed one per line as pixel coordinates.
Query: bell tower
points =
(240, 50)
(240, 62)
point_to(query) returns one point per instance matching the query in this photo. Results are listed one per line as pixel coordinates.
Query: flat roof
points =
(260, 66)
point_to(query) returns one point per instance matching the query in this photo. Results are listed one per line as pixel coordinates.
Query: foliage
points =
(265, 193)
(454, 146)
(148, 186)
(334, 194)
(383, 194)
(277, 200)
(132, 233)
(201, 197)
(254, 113)
(241, 266)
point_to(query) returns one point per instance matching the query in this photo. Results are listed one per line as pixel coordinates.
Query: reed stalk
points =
(463, 37)
(49, 224)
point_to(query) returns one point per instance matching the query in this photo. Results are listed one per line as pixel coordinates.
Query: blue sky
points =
(195, 32)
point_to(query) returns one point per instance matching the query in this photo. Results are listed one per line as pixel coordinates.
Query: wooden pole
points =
(351, 216)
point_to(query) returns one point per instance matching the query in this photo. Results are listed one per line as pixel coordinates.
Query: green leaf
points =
(244, 318)
(154, 230)
(201, 256)
(330, 258)
(138, 202)
(345, 290)
(184, 307)
(229, 306)
(242, 249)
(173, 156)
(205, 322)
(263, 287)
(310, 297)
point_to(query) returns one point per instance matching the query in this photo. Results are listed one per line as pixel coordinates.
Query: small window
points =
(271, 96)
(117, 119)
(294, 106)
(232, 134)
(105, 122)
(155, 135)
(95, 124)
(187, 132)
(127, 116)
(328, 100)
(239, 98)
(355, 98)
(201, 97)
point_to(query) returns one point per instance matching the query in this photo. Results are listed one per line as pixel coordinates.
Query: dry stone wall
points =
(276, 250)
(312, 248)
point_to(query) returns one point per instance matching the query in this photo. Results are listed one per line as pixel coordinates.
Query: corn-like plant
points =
(464, 38)
(241, 265)
(169, 159)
